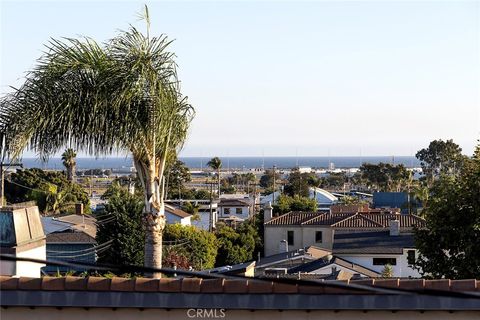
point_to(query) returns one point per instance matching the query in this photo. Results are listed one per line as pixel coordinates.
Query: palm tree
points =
(216, 164)
(119, 96)
(68, 158)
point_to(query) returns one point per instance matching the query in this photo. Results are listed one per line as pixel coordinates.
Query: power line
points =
(124, 268)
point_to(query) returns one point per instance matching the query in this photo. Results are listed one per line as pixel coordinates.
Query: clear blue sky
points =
(287, 78)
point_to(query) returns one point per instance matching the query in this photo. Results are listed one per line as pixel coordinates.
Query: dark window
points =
(290, 238)
(384, 261)
(318, 236)
(238, 210)
(226, 211)
(411, 256)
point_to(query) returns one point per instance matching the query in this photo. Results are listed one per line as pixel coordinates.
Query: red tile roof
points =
(347, 220)
(192, 285)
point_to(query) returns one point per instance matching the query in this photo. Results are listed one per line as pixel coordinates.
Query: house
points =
(375, 249)
(71, 238)
(272, 198)
(238, 208)
(71, 245)
(303, 229)
(176, 215)
(21, 235)
(330, 265)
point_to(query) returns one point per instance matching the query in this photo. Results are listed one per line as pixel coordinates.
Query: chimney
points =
(394, 227)
(267, 212)
(283, 246)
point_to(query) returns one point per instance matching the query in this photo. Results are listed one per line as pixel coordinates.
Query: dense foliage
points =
(450, 244)
(236, 245)
(296, 203)
(441, 157)
(121, 221)
(198, 246)
(385, 176)
(51, 190)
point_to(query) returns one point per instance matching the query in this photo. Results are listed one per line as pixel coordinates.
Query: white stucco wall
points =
(401, 269)
(233, 212)
(22, 268)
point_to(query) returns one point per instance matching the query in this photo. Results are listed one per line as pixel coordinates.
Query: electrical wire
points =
(124, 268)
(83, 250)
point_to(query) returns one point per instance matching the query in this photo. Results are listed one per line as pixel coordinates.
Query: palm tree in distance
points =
(216, 164)
(119, 96)
(68, 160)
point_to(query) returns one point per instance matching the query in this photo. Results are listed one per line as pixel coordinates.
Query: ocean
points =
(232, 162)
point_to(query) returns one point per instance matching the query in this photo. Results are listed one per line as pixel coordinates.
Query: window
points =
(384, 261)
(238, 210)
(411, 256)
(226, 210)
(318, 236)
(290, 238)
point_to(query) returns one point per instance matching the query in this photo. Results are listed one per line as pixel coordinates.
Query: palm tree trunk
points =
(154, 217)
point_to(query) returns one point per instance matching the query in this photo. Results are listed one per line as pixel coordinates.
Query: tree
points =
(387, 271)
(235, 246)
(198, 246)
(440, 157)
(266, 181)
(449, 245)
(286, 204)
(216, 164)
(51, 190)
(122, 95)
(384, 176)
(121, 222)
(177, 176)
(298, 184)
(68, 160)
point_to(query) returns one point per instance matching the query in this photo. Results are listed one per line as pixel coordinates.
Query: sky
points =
(314, 78)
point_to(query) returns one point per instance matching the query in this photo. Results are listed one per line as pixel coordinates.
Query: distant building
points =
(234, 209)
(302, 229)
(176, 215)
(324, 198)
(391, 200)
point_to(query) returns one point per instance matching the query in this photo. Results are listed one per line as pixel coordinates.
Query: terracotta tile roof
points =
(293, 218)
(347, 220)
(190, 285)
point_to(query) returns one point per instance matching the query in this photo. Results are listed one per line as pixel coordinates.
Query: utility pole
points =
(210, 226)
(273, 201)
(2, 178)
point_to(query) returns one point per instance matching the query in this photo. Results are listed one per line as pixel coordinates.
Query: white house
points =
(175, 215)
(234, 208)
(272, 198)
(374, 250)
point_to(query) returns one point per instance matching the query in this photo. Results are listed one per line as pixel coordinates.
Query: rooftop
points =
(377, 242)
(182, 293)
(357, 220)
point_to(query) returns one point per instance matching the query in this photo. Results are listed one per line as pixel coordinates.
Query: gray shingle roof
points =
(376, 242)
